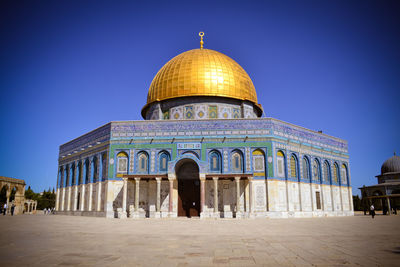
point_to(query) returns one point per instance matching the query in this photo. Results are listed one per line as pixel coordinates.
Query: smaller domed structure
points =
(386, 194)
(391, 165)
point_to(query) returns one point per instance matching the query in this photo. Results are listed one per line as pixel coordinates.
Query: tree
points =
(46, 200)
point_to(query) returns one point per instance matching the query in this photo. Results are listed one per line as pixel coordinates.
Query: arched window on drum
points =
(280, 164)
(164, 158)
(237, 161)
(143, 162)
(258, 163)
(122, 163)
(215, 161)
(294, 173)
(344, 174)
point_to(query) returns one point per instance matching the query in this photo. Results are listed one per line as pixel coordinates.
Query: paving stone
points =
(38, 240)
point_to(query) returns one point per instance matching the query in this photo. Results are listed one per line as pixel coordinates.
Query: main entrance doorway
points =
(188, 189)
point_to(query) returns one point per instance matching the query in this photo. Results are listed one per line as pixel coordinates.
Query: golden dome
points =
(202, 72)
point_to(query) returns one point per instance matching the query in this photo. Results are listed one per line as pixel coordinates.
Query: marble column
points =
(332, 198)
(124, 199)
(137, 188)
(62, 199)
(202, 193)
(171, 199)
(215, 179)
(75, 197)
(251, 202)
(341, 197)
(238, 210)
(158, 199)
(57, 198)
(69, 198)
(83, 189)
(99, 185)
(90, 196)
(388, 205)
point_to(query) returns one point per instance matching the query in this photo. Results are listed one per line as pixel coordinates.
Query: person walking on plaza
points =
(372, 209)
(12, 209)
(5, 209)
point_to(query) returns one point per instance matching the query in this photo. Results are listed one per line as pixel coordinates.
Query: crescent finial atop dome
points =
(201, 34)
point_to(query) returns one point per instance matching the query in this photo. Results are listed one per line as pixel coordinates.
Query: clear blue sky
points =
(67, 67)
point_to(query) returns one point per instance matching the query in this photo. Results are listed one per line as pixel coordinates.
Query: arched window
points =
(258, 163)
(122, 162)
(215, 161)
(60, 178)
(66, 176)
(294, 173)
(316, 171)
(280, 164)
(143, 162)
(327, 172)
(86, 171)
(79, 173)
(344, 175)
(103, 166)
(237, 161)
(164, 158)
(94, 170)
(306, 169)
(335, 173)
(72, 174)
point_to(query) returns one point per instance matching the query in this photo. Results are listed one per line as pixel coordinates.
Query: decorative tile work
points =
(101, 134)
(131, 160)
(236, 113)
(226, 165)
(247, 159)
(201, 111)
(263, 126)
(177, 113)
(212, 112)
(152, 161)
(189, 113)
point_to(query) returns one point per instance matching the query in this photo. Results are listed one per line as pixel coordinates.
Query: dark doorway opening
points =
(188, 189)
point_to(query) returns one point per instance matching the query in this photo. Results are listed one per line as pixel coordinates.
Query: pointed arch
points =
(86, 171)
(294, 169)
(259, 162)
(316, 171)
(237, 161)
(122, 163)
(327, 172)
(335, 173)
(164, 158)
(280, 164)
(143, 162)
(306, 168)
(215, 164)
(344, 175)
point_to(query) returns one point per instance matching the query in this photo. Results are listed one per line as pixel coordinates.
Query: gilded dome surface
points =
(202, 72)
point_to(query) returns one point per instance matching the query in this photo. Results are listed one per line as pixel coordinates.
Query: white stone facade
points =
(270, 198)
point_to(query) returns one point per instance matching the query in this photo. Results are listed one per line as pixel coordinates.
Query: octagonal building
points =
(203, 150)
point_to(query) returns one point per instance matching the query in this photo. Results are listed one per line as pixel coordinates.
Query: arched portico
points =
(12, 193)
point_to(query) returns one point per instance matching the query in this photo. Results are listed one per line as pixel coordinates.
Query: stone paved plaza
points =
(38, 240)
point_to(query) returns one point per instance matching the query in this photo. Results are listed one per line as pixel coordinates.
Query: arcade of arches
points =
(12, 192)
